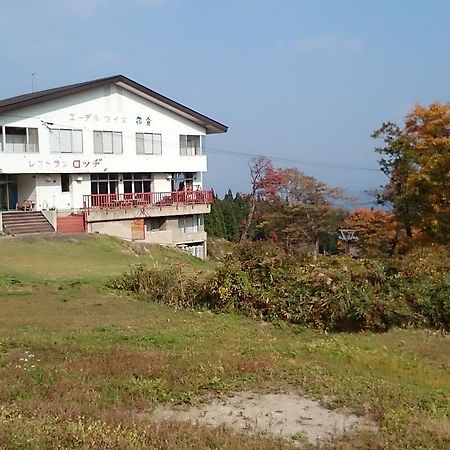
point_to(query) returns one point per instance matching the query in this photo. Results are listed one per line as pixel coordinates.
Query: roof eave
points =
(211, 126)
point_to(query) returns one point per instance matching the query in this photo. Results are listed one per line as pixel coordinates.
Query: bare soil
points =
(286, 416)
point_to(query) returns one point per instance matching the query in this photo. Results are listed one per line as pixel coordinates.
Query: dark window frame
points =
(65, 182)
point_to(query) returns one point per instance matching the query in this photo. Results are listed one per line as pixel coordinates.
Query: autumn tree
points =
(311, 202)
(429, 129)
(375, 230)
(398, 163)
(297, 210)
(265, 182)
(416, 160)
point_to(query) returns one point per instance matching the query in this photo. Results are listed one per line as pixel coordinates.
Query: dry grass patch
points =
(22, 431)
(102, 359)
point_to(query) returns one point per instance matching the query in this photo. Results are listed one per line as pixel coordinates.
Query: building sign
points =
(52, 164)
(116, 120)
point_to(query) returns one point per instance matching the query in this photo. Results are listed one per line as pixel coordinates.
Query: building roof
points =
(13, 103)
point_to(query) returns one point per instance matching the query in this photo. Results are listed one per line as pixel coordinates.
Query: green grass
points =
(83, 367)
(80, 257)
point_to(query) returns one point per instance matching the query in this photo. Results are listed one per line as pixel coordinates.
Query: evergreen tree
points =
(229, 216)
(214, 222)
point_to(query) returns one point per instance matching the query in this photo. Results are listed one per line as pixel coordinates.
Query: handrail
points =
(146, 199)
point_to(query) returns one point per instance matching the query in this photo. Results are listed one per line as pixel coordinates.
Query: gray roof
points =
(13, 103)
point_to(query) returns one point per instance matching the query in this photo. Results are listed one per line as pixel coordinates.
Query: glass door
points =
(3, 196)
(13, 197)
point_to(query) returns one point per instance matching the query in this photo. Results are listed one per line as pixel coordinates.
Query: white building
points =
(109, 155)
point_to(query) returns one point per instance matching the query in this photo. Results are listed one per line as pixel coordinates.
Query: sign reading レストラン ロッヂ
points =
(65, 164)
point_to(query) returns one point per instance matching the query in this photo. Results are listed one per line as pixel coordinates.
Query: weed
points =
(106, 359)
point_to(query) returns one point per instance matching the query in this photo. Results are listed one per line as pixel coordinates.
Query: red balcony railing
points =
(146, 200)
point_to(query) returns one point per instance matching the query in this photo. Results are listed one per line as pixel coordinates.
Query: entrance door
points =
(8, 195)
(137, 230)
(3, 197)
(13, 197)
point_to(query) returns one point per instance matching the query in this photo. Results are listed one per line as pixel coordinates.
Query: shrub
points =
(171, 286)
(332, 293)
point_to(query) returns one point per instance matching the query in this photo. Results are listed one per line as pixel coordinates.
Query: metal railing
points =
(146, 200)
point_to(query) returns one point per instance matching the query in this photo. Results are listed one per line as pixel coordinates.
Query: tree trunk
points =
(249, 220)
(316, 249)
(394, 242)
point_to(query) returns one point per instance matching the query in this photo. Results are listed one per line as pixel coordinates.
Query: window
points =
(155, 224)
(66, 141)
(148, 144)
(104, 183)
(137, 182)
(65, 182)
(190, 145)
(108, 142)
(21, 140)
(190, 224)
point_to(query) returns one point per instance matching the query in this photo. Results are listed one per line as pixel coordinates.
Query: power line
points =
(294, 161)
(238, 154)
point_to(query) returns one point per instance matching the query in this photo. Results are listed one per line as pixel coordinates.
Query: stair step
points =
(22, 226)
(28, 225)
(21, 214)
(27, 219)
(26, 222)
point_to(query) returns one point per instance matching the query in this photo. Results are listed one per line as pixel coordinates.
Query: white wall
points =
(161, 182)
(80, 184)
(26, 188)
(109, 109)
(50, 196)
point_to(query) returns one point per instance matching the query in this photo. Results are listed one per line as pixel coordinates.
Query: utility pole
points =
(347, 236)
(33, 81)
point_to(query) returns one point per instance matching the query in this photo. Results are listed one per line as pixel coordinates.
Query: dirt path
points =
(285, 416)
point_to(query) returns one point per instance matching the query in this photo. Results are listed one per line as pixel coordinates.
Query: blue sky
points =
(306, 81)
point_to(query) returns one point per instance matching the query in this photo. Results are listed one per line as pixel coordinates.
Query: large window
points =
(108, 142)
(190, 145)
(137, 182)
(66, 141)
(190, 224)
(148, 144)
(21, 140)
(104, 183)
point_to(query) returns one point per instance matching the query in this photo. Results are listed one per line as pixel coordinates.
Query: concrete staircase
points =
(24, 222)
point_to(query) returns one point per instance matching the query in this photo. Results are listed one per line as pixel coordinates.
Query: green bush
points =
(330, 293)
(171, 286)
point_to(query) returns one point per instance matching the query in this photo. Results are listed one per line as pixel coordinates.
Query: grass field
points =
(83, 367)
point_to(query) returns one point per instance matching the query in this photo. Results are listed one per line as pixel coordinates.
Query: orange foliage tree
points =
(416, 160)
(429, 129)
(375, 230)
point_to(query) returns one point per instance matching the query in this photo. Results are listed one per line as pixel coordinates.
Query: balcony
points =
(116, 206)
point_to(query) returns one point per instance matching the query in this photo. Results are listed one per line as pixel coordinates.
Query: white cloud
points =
(328, 42)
